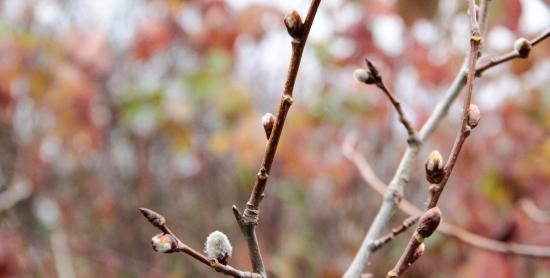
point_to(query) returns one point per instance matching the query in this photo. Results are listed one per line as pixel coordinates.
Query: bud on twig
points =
(217, 246)
(268, 121)
(523, 47)
(418, 252)
(164, 243)
(434, 168)
(363, 76)
(429, 222)
(294, 25)
(153, 217)
(368, 76)
(473, 116)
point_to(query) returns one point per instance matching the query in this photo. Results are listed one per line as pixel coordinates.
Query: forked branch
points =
(168, 242)
(470, 119)
(248, 219)
(474, 240)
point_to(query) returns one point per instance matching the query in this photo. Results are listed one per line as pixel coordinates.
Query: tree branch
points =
(394, 192)
(170, 243)
(514, 54)
(372, 76)
(458, 233)
(469, 121)
(407, 223)
(249, 218)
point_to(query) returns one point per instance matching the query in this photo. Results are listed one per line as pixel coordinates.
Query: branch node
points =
(262, 174)
(288, 99)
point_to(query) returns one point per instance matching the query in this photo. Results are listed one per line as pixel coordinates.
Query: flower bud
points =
(473, 116)
(523, 47)
(418, 252)
(294, 25)
(268, 121)
(217, 246)
(164, 243)
(153, 217)
(429, 222)
(434, 168)
(363, 76)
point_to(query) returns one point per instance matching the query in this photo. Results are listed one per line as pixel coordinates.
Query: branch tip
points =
(155, 218)
(294, 25)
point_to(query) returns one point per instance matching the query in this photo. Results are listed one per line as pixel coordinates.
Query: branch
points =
(394, 192)
(522, 48)
(249, 218)
(168, 242)
(477, 241)
(470, 119)
(372, 76)
(407, 223)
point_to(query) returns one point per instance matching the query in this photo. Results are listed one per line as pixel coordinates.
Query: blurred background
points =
(111, 105)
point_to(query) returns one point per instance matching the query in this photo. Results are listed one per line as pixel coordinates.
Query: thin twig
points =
(372, 76)
(177, 245)
(514, 54)
(407, 223)
(249, 218)
(474, 240)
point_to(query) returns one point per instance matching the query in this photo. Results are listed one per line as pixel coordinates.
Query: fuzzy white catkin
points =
(217, 245)
(361, 75)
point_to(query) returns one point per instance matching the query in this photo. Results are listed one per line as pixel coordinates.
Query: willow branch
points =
(445, 228)
(514, 54)
(372, 76)
(249, 218)
(407, 223)
(406, 259)
(174, 244)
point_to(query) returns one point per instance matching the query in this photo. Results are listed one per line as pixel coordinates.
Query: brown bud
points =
(268, 121)
(434, 167)
(418, 252)
(429, 222)
(153, 217)
(164, 243)
(523, 47)
(294, 25)
(473, 116)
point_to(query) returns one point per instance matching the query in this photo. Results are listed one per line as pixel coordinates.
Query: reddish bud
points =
(428, 222)
(153, 217)
(268, 121)
(473, 116)
(294, 25)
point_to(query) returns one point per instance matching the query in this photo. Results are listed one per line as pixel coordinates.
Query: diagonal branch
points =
(249, 218)
(372, 76)
(394, 192)
(407, 223)
(469, 121)
(168, 242)
(475, 240)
